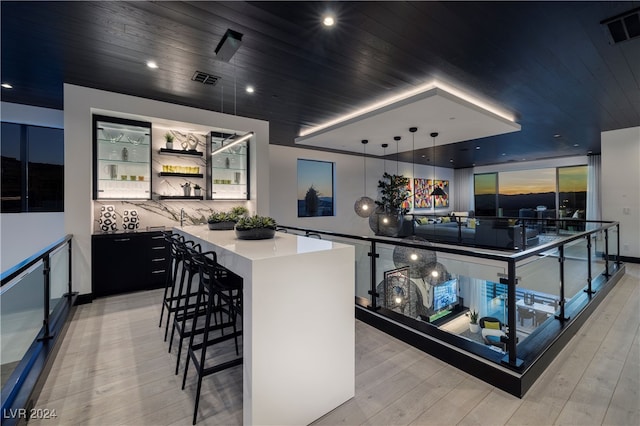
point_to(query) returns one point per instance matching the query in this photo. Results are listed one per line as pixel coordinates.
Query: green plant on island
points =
(168, 137)
(239, 211)
(233, 215)
(255, 222)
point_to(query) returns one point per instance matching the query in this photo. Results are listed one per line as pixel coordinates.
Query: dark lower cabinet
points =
(122, 263)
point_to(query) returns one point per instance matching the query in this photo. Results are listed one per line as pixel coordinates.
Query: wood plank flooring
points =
(113, 369)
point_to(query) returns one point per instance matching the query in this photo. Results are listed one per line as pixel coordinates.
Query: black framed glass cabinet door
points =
(121, 159)
(229, 170)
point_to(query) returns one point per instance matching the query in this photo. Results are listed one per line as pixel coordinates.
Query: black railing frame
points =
(13, 388)
(511, 259)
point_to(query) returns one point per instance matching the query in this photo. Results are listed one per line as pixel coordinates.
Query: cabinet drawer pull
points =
(158, 248)
(160, 271)
(157, 237)
(161, 259)
(121, 239)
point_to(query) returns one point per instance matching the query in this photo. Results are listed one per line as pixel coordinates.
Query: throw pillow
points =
(492, 325)
(471, 223)
(423, 221)
(446, 219)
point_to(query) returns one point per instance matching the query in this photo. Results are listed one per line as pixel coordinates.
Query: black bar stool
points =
(186, 306)
(173, 240)
(220, 292)
(172, 299)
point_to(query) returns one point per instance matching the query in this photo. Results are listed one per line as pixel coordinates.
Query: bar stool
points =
(220, 291)
(172, 240)
(172, 298)
(185, 308)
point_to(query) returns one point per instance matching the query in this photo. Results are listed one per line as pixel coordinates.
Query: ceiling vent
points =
(623, 27)
(205, 78)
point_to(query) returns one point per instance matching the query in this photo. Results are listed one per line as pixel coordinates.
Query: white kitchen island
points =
(298, 322)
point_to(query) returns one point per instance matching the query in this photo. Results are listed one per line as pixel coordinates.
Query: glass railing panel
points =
(575, 267)
(537, 292)
(59, 276)
(21, 316)
(363, 264)
(597, 256)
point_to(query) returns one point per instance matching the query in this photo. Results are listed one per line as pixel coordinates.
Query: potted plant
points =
(255, 228)
(473, 322)
(388, 218)
(225, 221)
(197, 190)
(168, 137)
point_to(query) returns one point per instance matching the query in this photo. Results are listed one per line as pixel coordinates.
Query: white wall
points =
(620, 184)
(532, 165)
(79, 105)
(349, 186)
(24, 234)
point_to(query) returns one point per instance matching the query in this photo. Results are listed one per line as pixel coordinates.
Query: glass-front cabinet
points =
(121, 159)
(229, 177)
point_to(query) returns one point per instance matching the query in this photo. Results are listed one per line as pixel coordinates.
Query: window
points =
(572, 191)
(528, 189)
(524, 193)
(485, 192)
(32, 169)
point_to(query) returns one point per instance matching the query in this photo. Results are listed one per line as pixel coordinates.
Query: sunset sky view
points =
(572, 179)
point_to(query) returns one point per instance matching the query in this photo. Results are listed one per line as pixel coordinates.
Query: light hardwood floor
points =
(113, 369)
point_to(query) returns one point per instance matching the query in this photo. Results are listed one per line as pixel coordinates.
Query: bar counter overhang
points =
(298, 322)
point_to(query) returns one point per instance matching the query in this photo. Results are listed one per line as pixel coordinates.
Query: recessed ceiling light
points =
(423, 156)
(6, 86)
(576, 144)
(504, 153)
(557, 135)
(250, 89)
(451, 160)
(328, 21)
(477, 147)
(152, 64)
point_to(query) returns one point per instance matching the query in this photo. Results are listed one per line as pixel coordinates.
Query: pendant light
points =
(397, 139)
(413, 131)
(384, 155)
(437, 191)
(364, 205)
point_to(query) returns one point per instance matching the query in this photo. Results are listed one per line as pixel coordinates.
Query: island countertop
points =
(298, 322)
(281, 245)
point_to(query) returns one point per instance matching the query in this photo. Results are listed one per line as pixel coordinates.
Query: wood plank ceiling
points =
(548, 62)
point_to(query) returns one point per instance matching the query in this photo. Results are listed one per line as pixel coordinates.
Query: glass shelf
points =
(167, 151)
(181, 197)
(193, 175)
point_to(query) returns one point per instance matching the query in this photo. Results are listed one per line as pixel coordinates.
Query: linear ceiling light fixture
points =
(406, 95)
(231, 41)
(233, 142)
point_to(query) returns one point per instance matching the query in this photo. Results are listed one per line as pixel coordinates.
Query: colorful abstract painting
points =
(421, 197)
(424, 187)
(441, 201)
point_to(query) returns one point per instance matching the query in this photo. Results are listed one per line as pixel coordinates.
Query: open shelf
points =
(181, 197)
(190, 152)
(191, 175)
